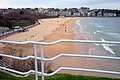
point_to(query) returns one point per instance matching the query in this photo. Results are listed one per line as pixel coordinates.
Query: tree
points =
(16, 16)
(65, 9)
(21, 13)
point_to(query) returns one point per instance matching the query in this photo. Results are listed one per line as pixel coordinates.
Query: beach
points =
(50, 30)
(37, 33)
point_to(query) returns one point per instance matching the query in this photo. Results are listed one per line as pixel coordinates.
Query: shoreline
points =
(102, 64)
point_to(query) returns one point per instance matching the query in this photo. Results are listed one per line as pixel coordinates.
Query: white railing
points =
(36, 72)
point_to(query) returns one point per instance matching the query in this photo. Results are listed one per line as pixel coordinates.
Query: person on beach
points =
(65, 30)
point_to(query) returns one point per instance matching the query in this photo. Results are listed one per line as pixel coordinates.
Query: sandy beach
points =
(50, 30)
(37, 33)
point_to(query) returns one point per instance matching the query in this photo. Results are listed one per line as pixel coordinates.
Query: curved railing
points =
(36, 72)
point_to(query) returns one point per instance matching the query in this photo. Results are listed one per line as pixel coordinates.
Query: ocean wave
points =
(77, 22)
(106, 47)
(111, 35)
(98, 31)
(80, 31)
(95, 32)
(100, 26)
(114, 34)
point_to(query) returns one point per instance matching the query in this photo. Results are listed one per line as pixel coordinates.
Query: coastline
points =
(102, 64)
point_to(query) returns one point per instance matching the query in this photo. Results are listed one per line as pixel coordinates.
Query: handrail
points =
(62, 40)
(18, 72)
(81, 69)
(59, 69)
(60, 55)
(19, 58)
(82, 56)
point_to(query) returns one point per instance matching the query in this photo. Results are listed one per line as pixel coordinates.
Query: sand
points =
(51, 30)
(37, 33)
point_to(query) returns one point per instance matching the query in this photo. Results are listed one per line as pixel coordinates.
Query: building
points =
(109, 14)
(65, 13)
(91, 14)
(99, 14)
(52, 14)
(118, 14)
(84, 11)
(41, 10)
(76, 14)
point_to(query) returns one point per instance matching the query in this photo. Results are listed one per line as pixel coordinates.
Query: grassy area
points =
(4, 76)
(24, 23)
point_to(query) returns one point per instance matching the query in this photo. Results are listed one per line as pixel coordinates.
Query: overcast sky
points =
(93, 4)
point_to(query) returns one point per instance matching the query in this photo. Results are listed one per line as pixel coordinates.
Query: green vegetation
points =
(2, 25)
(24, 23)
(49, 71)
(4, 76)
(20, 18)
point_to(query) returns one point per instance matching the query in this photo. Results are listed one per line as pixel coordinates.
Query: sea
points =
(101, 29)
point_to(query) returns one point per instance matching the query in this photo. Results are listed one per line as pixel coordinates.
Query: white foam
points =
(97, 31)
(100, 26)
(94, 32)
(81, 28)
(114, 34)
(77, 22)
(106, 47)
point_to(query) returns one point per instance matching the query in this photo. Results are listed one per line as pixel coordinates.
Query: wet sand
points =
(93, 49)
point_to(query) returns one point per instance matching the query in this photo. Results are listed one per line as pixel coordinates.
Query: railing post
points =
(42, 61)
(36, 66)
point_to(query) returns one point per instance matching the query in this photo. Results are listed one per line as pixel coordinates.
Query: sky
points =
(93, 4)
